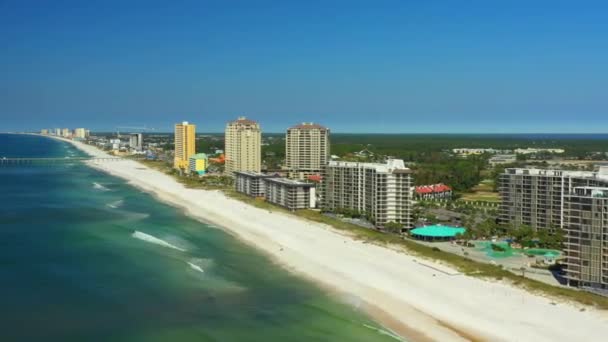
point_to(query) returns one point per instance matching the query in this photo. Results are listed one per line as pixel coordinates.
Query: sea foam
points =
(99, 186)
(195, 267)
(384, 332)
(115, 204)
(152, 239)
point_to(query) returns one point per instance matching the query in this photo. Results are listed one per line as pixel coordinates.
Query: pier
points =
(53, 161)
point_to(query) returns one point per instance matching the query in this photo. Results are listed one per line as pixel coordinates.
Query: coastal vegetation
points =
(481, 222)
(462, 264)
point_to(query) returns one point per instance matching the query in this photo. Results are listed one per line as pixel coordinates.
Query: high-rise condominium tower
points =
(381, 192)
(535, 197)
(586, 245)
(80, 133)
(185, 144)
(242, 149)
(577, 202)
(306, 150)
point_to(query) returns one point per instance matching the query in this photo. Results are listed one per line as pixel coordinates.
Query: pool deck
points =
(513, 263)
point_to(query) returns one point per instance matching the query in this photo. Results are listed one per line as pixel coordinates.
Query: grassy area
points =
(462, 264)
(211, 182)
(484, 191)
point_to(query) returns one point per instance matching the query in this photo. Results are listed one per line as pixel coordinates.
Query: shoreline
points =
(407, 297)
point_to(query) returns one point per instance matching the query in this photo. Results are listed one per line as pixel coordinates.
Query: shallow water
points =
(84, 256)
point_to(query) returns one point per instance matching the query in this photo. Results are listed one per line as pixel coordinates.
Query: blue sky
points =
(355, 66)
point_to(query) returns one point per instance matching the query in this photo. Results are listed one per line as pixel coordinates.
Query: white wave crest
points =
(152, 239)
(195, 267)
(99, 186)
(115, 204)
(384, 332)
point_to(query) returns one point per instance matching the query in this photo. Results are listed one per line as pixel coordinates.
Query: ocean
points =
(86, 257)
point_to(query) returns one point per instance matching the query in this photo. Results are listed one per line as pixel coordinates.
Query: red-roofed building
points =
(315, 178)
(433, 191)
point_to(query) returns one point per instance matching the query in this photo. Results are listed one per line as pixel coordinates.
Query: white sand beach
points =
(417, 298)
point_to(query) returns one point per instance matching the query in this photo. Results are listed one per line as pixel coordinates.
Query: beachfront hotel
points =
(306, 150)
(80, 133)
(243, 146)
(577, 202)
(185, 145)
(198, 163)
(380, 191)
(586, 243)
(534, 197)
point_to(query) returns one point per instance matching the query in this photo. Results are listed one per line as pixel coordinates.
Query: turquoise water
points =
(86, 257)
(486, 246)
(549, 253)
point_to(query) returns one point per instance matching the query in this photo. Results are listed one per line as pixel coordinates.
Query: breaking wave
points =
(99, 186)
(195, 267)
(385, 332)
(200, 264)
(152, 239)
(115, 204)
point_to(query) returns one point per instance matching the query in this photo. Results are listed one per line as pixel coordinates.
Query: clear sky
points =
(355, 66)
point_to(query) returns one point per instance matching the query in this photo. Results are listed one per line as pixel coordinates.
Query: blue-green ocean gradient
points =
(86, 257)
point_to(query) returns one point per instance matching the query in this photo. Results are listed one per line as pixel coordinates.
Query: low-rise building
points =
(530, 150)
(251, 183)
(198, 164)
(476, 151)
(289, 193)
(434, 191)
(502, 159)
(115, 144)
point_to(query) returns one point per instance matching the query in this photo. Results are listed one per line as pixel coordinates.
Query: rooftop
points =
(241, 120)
(255, 174)
(391, 165)
(602, 174)
(289, 182)
(433, 188)
(308, 125)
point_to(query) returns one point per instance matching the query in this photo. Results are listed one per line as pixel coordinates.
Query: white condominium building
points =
(382, 192)
(306, 150)
(243, 141)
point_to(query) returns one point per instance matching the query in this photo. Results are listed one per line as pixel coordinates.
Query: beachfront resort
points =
(562, 211)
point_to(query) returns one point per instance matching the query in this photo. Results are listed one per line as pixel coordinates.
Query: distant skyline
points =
(353, 66)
